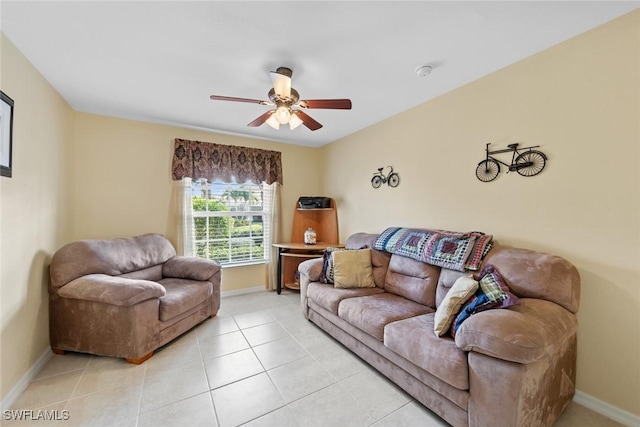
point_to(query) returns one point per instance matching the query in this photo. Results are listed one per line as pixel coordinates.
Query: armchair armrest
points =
(522, 333)
(311, 268)
(192, 268)
(111, 290)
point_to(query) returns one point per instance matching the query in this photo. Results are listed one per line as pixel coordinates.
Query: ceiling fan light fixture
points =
(283, 97)
(271, 121)
(282, 114)
(295, 121)
(281, 79)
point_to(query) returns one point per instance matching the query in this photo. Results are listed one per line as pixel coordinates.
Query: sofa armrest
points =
(192, 268)
(311, 268)
(310, 271)
(522, 333)
(111, 290)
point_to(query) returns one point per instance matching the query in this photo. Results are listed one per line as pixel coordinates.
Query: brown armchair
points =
(127, 297)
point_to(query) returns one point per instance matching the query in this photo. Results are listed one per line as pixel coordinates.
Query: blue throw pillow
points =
(492, 292)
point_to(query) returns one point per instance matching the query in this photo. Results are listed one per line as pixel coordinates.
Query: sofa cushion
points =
(414, 340)
(360, 240)
(182, 295)
(328, 297)
(412, 279)
(460, 292)
(371, 313)
(352, 269)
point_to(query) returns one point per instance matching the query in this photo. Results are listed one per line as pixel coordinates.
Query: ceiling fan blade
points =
(260, 120)
(307, 120)
(231, 98)
(281, 84)
(333, 104)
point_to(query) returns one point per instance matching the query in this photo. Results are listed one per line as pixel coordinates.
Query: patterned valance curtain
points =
(228, 163)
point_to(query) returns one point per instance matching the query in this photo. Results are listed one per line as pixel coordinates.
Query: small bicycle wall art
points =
(392, 179)
(526, 161)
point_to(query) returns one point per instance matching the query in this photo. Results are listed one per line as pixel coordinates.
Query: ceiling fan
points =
(283, 97)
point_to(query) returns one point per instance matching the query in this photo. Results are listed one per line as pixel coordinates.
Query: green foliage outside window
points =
(234, 238)
(199, 204)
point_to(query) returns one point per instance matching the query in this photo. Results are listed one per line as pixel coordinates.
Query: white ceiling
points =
(158, 61)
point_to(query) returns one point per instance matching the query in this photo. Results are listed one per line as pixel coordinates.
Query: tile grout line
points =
(206, 375)
(391, 413)
(266, 371)
(211, 399)
(84, 371)
(144, 379)
(286, 404)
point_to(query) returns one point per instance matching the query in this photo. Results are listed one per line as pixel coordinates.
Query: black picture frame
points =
(6, 135)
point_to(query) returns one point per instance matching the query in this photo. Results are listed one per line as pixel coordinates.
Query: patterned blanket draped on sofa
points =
(448, 249)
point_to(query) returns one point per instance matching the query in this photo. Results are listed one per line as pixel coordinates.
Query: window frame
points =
(204, 189)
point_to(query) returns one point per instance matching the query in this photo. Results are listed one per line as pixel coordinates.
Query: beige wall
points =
(124, 186)
(34, 211)
(580, 102)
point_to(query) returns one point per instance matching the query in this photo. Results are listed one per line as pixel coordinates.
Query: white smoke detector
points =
(424, 70)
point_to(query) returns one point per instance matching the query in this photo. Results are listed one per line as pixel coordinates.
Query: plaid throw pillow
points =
(492, 293)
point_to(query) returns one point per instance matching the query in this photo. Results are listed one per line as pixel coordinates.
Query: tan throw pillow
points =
(352, 269)
(461, 291)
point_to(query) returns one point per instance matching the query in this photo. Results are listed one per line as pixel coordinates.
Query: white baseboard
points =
(225, 294)
(21, 385)
(606, 409)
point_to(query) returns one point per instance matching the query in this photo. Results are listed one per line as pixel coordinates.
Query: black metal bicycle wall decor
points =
(526, 161)
(392, 179)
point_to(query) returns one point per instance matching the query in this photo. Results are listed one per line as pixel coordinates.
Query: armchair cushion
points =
(181, 267)
(151, 273)
(181, 296)
(111, 290)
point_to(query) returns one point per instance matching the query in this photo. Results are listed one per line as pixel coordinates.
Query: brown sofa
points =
(506, 367)
(127, 297)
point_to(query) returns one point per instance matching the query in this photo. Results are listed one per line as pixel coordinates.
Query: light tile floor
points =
(258, 363)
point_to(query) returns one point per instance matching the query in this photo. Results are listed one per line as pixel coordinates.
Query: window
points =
(229, 222)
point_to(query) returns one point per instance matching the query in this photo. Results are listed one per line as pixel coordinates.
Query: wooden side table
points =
(290, 255)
